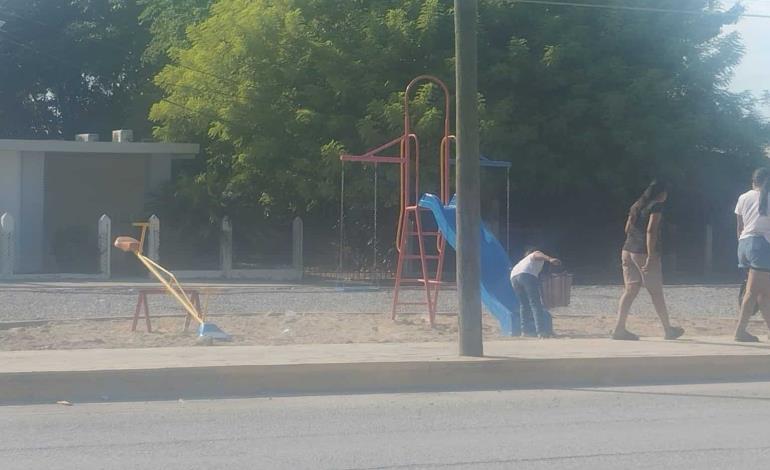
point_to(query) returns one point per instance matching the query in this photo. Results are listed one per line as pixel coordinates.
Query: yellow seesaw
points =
(170, 283)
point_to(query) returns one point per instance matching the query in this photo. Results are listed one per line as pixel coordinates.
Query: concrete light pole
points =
(468, 194)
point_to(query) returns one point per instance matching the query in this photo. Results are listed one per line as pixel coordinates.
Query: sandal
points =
(746, 337)
(674, 332)
(624, 335)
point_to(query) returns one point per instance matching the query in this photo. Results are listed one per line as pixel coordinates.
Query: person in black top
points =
(641, 260)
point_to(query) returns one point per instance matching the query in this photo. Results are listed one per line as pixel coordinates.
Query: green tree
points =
(279, 88)
(604, 100)
(167, 21)
(68, 67)
(588, 104)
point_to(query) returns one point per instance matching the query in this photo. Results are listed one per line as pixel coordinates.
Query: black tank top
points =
(636, 238)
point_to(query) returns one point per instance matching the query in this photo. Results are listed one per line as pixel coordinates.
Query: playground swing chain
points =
(341, 245)
(341, 248)
(508, 210)
(374, 238)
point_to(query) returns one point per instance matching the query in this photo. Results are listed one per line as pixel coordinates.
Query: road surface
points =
(705, 426)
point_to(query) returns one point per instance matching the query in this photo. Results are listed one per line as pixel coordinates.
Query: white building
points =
(58, 188)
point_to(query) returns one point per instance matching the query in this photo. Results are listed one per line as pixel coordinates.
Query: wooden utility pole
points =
(468, 194)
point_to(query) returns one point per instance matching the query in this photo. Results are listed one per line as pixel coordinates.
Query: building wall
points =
(10, 186)
(10, 178)
(78, 190)
(31, 227)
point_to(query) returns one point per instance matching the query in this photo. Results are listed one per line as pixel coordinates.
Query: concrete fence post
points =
(7, 245)
(105, 246)
(153, 239)
(226, 247)
(297, 239)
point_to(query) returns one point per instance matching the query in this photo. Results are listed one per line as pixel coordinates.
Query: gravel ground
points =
(313, 314)
(61, 301)
(323, 328)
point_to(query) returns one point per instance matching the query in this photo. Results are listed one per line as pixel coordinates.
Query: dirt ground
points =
(319, 328)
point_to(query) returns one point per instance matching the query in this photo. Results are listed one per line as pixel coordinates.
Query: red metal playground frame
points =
(409, 223)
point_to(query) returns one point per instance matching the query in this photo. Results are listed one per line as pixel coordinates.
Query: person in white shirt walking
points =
(754, 251)
(525, 279)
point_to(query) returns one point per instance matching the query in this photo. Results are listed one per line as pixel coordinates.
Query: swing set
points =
(412, 237)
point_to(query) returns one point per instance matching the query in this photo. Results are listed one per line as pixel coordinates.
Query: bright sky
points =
(754, 72)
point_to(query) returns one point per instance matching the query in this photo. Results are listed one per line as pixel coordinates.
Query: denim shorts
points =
(754, 253)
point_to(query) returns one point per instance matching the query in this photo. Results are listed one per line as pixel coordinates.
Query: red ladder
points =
(429, 279)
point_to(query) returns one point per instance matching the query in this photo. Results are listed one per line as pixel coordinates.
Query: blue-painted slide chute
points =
(496, 291)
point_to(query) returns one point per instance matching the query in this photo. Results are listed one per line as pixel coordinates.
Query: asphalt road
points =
(705, 426)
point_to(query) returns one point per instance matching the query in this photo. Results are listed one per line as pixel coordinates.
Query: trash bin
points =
(557, 289)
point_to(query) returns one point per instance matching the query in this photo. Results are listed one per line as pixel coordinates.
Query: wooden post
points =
(297, 239)
(105, 246)
(7, 245)
(153, 239)
(468, 175)
(226, 247)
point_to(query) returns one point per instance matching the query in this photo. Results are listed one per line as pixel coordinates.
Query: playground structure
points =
(409, 221)
(170, 283)
(411, 226)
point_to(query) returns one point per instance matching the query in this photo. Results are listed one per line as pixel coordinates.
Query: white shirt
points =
(753, 223)
(528, 265)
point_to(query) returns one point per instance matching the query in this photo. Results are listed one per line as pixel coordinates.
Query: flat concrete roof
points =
(70, 146)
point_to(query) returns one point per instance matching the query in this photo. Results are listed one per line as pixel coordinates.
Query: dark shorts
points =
(754, 253)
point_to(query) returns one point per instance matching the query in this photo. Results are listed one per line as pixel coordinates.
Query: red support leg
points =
(424, 265)
(400, 264)
(439, 274)
(139, 301)
(147, 314)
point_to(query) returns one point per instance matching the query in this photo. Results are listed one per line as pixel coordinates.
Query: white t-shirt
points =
(753, 223)
(528, 265)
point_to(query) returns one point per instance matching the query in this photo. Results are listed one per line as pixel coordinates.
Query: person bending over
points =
(525, 279)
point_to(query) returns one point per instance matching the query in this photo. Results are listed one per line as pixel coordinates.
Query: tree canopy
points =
(588, 104)
(70, 66)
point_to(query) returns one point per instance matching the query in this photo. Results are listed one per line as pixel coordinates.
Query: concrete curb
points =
(18, 388)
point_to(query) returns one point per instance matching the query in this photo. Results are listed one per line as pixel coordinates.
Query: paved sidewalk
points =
(237, 371)
(222, 355)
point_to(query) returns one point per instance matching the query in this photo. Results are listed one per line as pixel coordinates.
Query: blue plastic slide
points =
(496, 291)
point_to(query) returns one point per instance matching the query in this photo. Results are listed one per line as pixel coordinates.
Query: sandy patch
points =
(320, 328)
